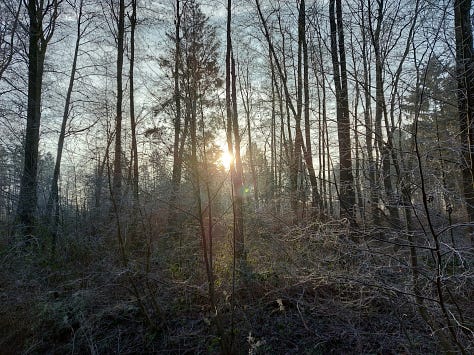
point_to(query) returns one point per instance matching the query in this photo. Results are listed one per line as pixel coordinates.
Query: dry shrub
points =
(315, 287)
(307, 288)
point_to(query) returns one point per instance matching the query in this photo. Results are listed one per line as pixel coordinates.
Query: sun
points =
(226, 159)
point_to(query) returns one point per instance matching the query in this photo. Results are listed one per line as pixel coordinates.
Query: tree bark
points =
(246, 103)
(234, 135)
(53, 200)
(178, 137)
(465, 77)
(117, 173)
(298, 150)
(133, 123)
(38, 41)
(308, 153)
(385, 149)
(338, 54)
(371, 165)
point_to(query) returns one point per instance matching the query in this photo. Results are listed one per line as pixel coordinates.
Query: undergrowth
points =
(308, 289)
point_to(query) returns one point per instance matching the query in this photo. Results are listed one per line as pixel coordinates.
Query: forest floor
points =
(307, 289)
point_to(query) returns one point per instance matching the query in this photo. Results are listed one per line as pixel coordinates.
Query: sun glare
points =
(226, 159)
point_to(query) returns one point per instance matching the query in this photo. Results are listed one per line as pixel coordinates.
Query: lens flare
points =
(226, 159)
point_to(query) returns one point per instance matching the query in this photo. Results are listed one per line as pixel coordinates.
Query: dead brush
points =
(317, 271)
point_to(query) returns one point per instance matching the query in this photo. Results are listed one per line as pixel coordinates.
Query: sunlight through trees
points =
(247, 176)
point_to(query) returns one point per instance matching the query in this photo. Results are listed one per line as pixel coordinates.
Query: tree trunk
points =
(117, 174)
(295, 161)
(177, 160)
(384, 149)
(346, 186)
(233, 134)
(371, 165)
(308, 153)
(133, 123)
(273, 142)
(465, 77)
(358, 176)
(246, 103)
(38, 41)
(325, 158)
(53, 200)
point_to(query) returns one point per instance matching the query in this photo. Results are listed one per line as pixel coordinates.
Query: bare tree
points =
(245, 87)
(233, 140)
(42, 22)
(303, 85)
(133, 123)
(465, 76)
(53, 201)
(8, 31)
(299, 149)
(338, 54)
(178, 136)
(368, 121)
(117, 172)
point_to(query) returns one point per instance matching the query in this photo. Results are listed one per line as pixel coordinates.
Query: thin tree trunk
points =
(325, 164)
(321, 153)
(328, 153)
(379, 105)
(273, 143)
(380, 112)
(372, 167)
(233, 132)
(308, 154)
(177, 155)
(246, 103)
(358, 178)
(299, 148)
(8, 53)
(133, 123)
(295, 171)
(117, 173)
(292, 159)
(53, 201)
(283, 146)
